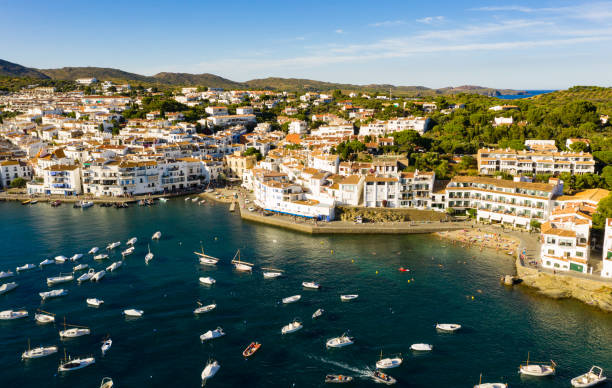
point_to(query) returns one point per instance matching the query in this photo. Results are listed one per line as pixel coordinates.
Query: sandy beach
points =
(483, 238)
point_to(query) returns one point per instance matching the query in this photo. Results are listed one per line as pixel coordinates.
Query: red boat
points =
(403, 269)
(251, 349)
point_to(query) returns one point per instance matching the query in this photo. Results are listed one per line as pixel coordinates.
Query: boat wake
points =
(361, 372)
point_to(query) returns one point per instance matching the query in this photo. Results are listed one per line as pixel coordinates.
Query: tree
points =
(535, 224)
(18, 183)
(604, 210)
(253, 151)
(579, 146)
(606, 177)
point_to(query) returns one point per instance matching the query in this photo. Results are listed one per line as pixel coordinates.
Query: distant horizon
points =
(527, 44)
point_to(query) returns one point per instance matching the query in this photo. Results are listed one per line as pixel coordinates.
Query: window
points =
(551, 251)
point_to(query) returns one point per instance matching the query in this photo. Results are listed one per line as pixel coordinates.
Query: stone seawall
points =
(558, 286)
(351, 228)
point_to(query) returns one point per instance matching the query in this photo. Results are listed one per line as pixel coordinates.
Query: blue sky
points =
(523, 44)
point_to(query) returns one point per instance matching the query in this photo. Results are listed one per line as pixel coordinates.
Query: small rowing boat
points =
(448, 327)
(46, 262)
(241, 265)
(292, 299)
(338, 379)
(317, 313)
(133, 313)
(156, 236)
(76, 256)
(311, 285)
(206, 259)
(204, 309)
(60, 259)
(44, 317)
(537, 369)
(348, 297)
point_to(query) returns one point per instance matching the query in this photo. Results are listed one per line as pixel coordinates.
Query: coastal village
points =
(64, 145)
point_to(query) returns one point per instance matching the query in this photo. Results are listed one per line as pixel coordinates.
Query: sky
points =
(502, 44)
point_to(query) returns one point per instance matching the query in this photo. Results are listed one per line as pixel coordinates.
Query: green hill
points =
(205, 79)
(599, 96)
(101, 73)
(10, 69)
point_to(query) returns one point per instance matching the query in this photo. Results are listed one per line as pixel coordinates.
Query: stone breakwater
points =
(560, 286)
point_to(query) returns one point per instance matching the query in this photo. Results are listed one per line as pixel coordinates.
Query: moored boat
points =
(98, 276)
(156, 236)
(53, 294)
(56, 203)
(421, 347)
(94, 250)
(107, 382)
(46, 262)
(128, 251)
(25, 267)
(317, 313)
(86, 276)
(204, 309)
(44, 317)
(114, 266)
(134, 313)
(448, 327)
(76, 256)
(6, 274)
(94, 302)
(537, 369)
(132, 241)
(241, 265)
(113, 245)
(207, 281)
(74, 332)
(38, 352)
(80, 267)
(489, 385)
(206, 259)
(589, 379)
(311, 285)
(6, 287)
(338, 379)
(389, 362)
(61, 278)
(148, 256)
(60, 259)
(101, 256)
(272, 274)
(212, 334)
(339, 342)
(292, 299)
(348, 297)
(77, 363)
(292, 327)
(210, 370)
(251, 349)
(106, 345)
(7, 315)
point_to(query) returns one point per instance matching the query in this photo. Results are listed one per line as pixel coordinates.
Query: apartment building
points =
(13, 169)
(514, 203)
(399, 189)
(237, 163)
(607, 250)
(227, 120)
(515, 162)
(565, 243)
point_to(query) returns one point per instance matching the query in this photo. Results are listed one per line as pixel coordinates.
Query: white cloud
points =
(388, 23)
(431, 19)
(598, 11)
(339, 31)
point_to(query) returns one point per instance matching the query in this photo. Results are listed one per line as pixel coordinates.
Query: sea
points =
(528, 93)
(446, 284)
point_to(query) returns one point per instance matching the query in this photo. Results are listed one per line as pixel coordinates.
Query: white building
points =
(534, 162)
(607, 250)
(227, 120)
(13, 169)
(298, 127)
(565, 244)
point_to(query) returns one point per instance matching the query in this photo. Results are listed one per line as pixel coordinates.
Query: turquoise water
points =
(528, 93)
(163, 347)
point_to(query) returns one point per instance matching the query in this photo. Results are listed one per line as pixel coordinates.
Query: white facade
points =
(607, 250)
(12, 169)
(298, 127)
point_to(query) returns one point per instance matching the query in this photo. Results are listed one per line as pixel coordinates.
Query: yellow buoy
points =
(352, 261)
(332, 251)
(376, 272)
(472, 297)
(408, 280)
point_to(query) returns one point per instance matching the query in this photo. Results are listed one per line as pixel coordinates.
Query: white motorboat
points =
(149, 256)
(339, 342)
(113, 245)
(132, 241)
(207, 280)
(292, 299)
(317, 313)
(98, 276)
(6, 274)
(348, 297)
(44, 317)
(94, 250)
(12, 314)
(86, 204)
(38, 352)
(53, 294)
(383, 378)
(491, 385)
(593, 377)
(6, 287)
(76, 256)
(60, 259)
(80, 267)
(101, 256)
(204, 309)
(292, 327)
(311, 285)
(388, 362)
(86, 276)
(128, 251)
(241, 265)
(448, 327)
(106, 345)
(163, 200)
(77, 363)
(195, 199)
(107, 382)
(133, 313)
(94, 302)
(537, 369)
(156, 235)
(46, 262)
(187, 199)
(114, 266)
(25, 267)
(272, 274)
(421, 347)
(210, 370)
(212, 334)
(206, 259)
(59, 279)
